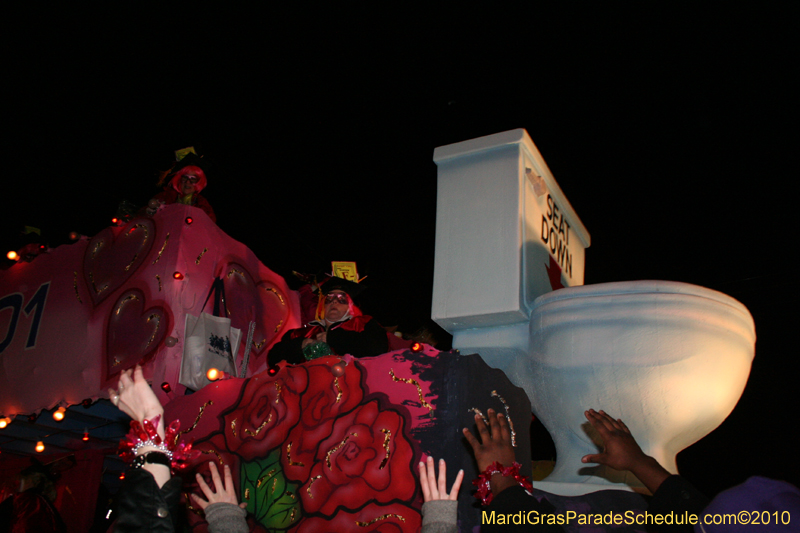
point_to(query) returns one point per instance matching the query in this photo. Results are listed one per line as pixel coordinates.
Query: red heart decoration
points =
(261, 301)
(111, 259)
(134, 333)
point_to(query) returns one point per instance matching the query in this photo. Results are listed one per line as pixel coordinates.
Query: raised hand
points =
(433, 491)
(135, 398)
(620, 449)
(495, 445)
(495, 442)
(225, 492)
(622, 452)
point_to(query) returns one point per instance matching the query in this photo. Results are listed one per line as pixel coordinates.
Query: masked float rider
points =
(343, 329)
(188, 179)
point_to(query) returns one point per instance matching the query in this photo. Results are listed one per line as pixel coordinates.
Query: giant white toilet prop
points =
(669, 358)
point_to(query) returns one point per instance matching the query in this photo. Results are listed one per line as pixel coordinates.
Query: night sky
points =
(669, 130)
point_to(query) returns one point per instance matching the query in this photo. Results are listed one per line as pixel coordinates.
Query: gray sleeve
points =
(440, 516)
(226, 518)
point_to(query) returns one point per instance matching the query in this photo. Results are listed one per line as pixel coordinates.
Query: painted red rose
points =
(394, 518)
(366, 458)
(267, 411)
(326, 398)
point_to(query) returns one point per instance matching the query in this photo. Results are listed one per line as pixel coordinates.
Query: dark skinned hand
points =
(622, 452)
(494, 445)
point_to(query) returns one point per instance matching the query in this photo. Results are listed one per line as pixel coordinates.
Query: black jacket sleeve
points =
(371, 341)
(143, 507)
(678, 496)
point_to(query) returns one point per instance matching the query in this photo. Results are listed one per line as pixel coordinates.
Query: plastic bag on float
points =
(209, 342)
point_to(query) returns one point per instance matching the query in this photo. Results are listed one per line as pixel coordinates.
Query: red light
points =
(85, 435)
(115, 220)
(166, 387)
(213, 374)
(87, 403)
(73, 235)
(177, 275)
(273, 370)
(417, 347)
(122, 475)
(189, 220)
(12, 255)
(41, 246)
(39, 447)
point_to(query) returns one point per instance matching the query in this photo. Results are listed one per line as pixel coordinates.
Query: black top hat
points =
(340, 284)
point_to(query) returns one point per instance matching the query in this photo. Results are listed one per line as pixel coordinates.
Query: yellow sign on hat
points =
(345, 270)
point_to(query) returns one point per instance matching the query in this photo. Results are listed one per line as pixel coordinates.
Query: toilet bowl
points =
(670, 359)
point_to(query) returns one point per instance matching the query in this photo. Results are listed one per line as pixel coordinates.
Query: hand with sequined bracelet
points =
(501, 486)
(494, 454)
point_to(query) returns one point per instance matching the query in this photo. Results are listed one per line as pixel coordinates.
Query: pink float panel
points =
(72, 319)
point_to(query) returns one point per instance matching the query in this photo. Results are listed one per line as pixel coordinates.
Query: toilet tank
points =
(505, 232)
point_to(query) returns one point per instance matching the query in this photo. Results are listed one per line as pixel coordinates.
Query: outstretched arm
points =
(622, 452)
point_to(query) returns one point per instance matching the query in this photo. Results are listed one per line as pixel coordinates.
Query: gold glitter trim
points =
(336, 448)
(140, 226)
(158, 324)
(262, 426)
(277, 328)
(234, 271)
(247, 493)
(479, 412)
(97, 247)
(191, 507)
(419, 390)
(274, 484)
(294, 510)
(129, 297)
(196, 421)
(262, 478)
(199, 257)
(158, 278)
(292, 496)
(338, 388)
(508, 416)
(276, 293)
(289, 456)
(233, 427)
(215, 452)
(116, 362)
(387, 436)
(277, 388)
(75, 286)
(258, 345)
(96, 290)
(311, 482)
(383, 517)
(166, 239)
(129, 265)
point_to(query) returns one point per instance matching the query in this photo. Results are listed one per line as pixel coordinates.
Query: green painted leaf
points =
(270, 498)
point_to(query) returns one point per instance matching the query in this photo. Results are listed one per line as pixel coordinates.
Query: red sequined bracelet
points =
(145, 434)
(484, 493)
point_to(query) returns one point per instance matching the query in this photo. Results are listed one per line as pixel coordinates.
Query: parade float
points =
(333, 444)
